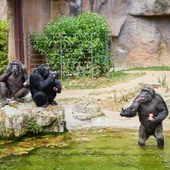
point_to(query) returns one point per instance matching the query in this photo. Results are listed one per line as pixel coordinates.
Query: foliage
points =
(78, 43)
(153, 68)
(33, 127)
(3, 44)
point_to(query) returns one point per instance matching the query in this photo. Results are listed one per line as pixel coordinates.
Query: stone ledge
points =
(14, 119)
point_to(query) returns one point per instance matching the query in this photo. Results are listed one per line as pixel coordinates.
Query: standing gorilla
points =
(152, 111)
(44, 86)
(14, 82)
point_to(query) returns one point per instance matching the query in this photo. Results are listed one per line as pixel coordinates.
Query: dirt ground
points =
(112, 99)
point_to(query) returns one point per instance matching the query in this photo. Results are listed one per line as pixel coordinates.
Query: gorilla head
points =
(44, 70)
(15, 68)
(146, 94)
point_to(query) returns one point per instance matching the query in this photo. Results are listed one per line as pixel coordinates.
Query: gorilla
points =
(14, 82)
(44, 86)
(152, 111)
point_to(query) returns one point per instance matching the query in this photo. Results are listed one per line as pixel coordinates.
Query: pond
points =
(94, 149)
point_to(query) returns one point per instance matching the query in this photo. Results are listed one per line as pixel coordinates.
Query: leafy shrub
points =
(78, 43)
(3, 44)
(33, 127)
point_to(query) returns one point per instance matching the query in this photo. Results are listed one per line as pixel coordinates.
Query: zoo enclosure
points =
(86, 64)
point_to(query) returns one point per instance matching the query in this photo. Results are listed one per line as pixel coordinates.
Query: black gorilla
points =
(44, 86)
(14, 82)
(152, 111)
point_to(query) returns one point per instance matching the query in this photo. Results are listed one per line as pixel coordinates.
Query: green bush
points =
(78, 43)
(33, 127)
(3, 45)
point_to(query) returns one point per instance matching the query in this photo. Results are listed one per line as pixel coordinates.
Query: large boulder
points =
(150, 7)
(143, 42)
(15, 119)
(86, 111)
(139, 29)
(112, 10)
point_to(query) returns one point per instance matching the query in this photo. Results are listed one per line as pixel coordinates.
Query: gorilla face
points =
(15, 69)
(146, 94)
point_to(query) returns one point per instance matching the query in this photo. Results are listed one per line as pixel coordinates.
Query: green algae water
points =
(92, 150)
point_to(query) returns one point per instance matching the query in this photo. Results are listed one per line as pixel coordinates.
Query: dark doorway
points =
(19, 46)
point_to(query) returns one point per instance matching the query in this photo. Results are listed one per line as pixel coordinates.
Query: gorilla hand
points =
(128, 112)
(55, 89)
(122, 112)
(54, 74)
(8, 70)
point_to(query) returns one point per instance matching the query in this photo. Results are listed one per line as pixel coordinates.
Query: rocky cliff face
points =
(140, 31)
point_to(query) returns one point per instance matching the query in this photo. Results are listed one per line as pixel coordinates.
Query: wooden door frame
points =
(18, 22)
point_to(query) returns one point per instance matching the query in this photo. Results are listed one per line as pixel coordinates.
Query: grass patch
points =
(154, 68)
(99, 82)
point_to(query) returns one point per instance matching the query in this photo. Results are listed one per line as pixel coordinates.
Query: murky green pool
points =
(93, 150)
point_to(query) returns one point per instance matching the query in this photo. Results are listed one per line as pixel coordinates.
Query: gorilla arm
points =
(131, 111)
(39, 83)
(57, 87)
(163, 110)
(7, 72)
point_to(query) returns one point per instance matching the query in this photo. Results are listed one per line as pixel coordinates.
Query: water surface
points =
(97, 149)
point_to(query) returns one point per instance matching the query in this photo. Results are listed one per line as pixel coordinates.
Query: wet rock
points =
(86, 111)
(14, 119)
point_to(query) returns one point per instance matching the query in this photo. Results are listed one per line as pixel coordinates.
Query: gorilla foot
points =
(141, 144)
(160, 147)
(4, 103)
(53, 103)
(45, 105)
(19, 100)
(160, 143)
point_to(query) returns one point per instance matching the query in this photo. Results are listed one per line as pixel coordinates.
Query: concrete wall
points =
(3, 9)
(36, 13)
(11, 38)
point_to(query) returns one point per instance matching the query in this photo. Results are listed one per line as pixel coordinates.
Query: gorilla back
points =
(44, 86)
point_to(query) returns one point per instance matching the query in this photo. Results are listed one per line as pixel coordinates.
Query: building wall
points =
(11, 38)
(3, 10)
(36, 13)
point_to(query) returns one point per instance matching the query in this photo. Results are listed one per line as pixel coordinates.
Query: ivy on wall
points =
(3, 44)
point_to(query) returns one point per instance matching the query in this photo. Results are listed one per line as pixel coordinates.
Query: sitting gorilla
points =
(44, 86)
(152, 111)
(14, 82)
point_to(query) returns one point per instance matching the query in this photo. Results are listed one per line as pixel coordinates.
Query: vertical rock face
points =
(115, 12)
(65, 8)
(140, 30)
(143, 42)
(150, 7)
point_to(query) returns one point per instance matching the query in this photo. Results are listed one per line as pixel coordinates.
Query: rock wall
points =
(140, 31)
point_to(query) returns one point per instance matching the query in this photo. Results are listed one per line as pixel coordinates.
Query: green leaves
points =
(77, 44)
(3, 44)
(33, 127)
